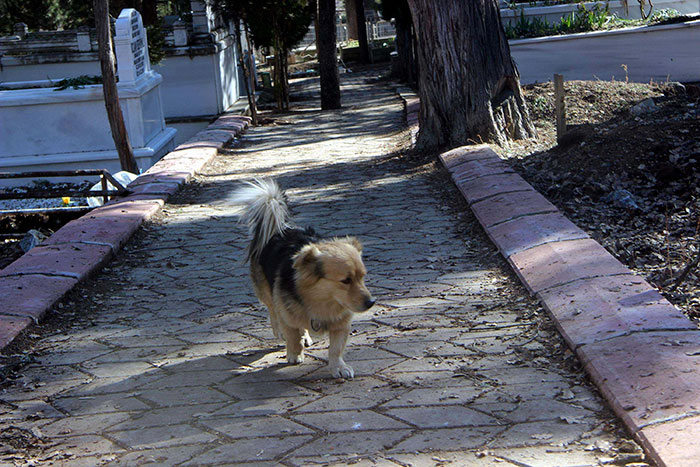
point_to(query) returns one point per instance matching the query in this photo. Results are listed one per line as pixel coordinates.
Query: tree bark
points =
(245, 66)
(280, 75)
(365, 56)
(327, 57)
(469, 85)
(313, 4)
(277, 77)
(285, 78)
(280, 70)
(251, 75)
(109, 88)
(407, 66)
(351, 18)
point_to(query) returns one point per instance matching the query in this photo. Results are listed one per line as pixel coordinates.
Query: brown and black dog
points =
(306, 283)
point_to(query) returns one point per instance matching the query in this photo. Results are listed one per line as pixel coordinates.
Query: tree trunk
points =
(251, 75)
(415, 63)
(469, 85)
(245, 66)
(365, 56)
(149, 11)
(327, 57)
(313, 4)
(109, 88)
(279, 92)
(351, 18)
(279, 72)
(285, 79)
(407, 66)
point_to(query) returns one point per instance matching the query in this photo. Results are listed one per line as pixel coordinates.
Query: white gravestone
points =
(131, 47)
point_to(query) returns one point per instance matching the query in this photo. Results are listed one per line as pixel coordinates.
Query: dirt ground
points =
(9, 250)
(14, 226)
(630, 177)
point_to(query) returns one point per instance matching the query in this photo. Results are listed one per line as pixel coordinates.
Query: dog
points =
(307, 283)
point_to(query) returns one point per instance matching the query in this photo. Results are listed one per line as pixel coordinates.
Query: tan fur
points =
(320, 269)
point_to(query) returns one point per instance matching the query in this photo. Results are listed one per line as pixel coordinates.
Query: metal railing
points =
(35, 193)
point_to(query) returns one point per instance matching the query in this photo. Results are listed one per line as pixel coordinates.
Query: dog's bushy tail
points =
(266, 213)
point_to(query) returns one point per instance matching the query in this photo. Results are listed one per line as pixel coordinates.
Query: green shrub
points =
(582, 20)
(78, 83)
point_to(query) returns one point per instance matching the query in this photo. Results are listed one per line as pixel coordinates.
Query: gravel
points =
(40, 204)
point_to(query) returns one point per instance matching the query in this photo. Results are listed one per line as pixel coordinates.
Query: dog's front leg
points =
(336, 365)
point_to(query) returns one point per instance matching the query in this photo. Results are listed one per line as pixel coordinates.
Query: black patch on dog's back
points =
(276, 257)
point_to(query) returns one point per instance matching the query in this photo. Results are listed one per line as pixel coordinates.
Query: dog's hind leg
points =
(306, 339)
(264, 294)
(295, 347)
(275, 322)
(337, 366)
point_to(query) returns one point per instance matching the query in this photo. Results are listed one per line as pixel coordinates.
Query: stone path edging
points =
(640, 351)
(34, 283)
(412, 108)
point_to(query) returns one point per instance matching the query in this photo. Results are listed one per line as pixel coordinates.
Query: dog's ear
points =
(355, 242)
(306, 258)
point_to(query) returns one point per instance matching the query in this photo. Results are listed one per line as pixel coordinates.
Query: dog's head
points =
(333, 271)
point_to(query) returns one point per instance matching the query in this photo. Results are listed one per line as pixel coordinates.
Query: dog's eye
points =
(347, 280)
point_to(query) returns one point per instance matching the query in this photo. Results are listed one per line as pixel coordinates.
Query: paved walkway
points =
(168, 358)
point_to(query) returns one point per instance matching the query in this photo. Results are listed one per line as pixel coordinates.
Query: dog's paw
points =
(342, 371)
(306, 340)
(295, 359)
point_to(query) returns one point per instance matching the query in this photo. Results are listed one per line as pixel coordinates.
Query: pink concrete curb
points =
(640, 351)
(10, 327)
(33, 284)
(75, 259)
(412, 110)
(509, 206)
(674, 439)
(27, 296)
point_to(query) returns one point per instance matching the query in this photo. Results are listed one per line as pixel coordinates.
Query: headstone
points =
(20, 30)
(83, 36)
(202, 16)
(179, 33)
(131, 46)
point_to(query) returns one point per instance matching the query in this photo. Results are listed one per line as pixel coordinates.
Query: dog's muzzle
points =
(369, 303)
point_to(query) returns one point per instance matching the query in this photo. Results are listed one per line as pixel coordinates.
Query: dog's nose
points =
(369, 302)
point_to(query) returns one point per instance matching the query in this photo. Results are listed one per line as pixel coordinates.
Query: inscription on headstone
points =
(131, 46)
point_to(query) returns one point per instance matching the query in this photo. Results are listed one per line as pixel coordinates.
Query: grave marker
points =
(131, 46)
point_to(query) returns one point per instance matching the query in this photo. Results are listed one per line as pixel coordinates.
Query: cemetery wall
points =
(199, 72)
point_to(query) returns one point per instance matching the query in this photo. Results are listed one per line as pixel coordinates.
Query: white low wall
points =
(57, 130)
(656, 53)
(553, 13)
(197, 85)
